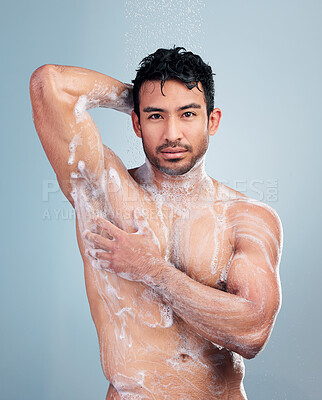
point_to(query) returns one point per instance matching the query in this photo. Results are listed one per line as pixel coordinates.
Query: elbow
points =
(247, 350)
(250, 353)
(40, 71)
(251, 347)
(44, 95)
(46, 88)
(255, 336)
(247, 346)
(46, 81)
(40, 77)
(41, 86)
(40, 91)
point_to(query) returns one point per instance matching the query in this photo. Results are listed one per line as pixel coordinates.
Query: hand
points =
(122, 102)
(133, 256)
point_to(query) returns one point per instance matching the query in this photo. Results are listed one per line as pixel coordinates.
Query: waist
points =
(137, 360)
(144, 346)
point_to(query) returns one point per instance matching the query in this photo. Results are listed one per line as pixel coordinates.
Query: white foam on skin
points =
(149, 319)
(114, 177)
(143, 309)
(255, 230)
(76, 141)
(124, 310)
(122, 102)
(90, 199)
(174, 193)
(176, 190)
(130, 396)
(127, 386)
(110, 290)
(106, 97)
(80, 107)
(166, 316)
(143, 224)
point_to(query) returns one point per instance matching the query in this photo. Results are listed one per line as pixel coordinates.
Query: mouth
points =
(171, 153)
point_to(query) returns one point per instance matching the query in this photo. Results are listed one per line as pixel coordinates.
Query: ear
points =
(136, 124)
(214, 120)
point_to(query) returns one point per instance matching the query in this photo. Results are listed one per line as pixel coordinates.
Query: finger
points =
(143, 227)
(140, 220)
(108, 227)
(106, 266)
(89, 255)
(98, 241)
(98, 254)
(100, 264)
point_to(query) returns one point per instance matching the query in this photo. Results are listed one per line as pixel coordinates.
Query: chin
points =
(174, 171)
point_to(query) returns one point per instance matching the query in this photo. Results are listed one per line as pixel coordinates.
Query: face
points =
(174, 127)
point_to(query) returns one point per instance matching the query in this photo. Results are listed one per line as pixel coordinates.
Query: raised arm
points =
(60, 97)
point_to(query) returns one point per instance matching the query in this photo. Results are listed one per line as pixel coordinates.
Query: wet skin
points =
(175, 360)
(201, 244)
(182, 289)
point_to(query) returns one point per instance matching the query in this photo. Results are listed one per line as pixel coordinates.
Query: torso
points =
(147, 350)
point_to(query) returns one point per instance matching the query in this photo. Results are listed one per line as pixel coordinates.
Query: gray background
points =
(267, 60)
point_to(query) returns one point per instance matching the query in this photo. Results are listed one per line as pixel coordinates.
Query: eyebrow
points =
(151, 109)
(192, 105)
(156, 109)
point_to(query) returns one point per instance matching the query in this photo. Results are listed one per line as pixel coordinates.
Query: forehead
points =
(173, 90)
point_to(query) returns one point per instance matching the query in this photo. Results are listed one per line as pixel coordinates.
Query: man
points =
(181, 271)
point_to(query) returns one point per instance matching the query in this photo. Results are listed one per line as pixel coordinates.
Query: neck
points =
(178, 187)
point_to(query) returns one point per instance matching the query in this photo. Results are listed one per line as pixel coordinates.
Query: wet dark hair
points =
(175, 63)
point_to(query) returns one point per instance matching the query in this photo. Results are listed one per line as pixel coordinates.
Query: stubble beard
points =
(180, 170)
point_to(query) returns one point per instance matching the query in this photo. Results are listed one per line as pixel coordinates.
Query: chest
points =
(198, 241)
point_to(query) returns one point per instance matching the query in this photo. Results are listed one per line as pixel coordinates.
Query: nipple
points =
(184, 357)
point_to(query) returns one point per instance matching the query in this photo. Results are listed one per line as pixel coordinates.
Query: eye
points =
(154, 116)
(188, 114)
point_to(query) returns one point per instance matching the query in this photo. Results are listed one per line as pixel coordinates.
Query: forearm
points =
(87, 88)
(222, 318)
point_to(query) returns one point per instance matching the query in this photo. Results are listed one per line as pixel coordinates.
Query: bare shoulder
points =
(115, 167)
(112, 160)
(119, 179)
(246, 213)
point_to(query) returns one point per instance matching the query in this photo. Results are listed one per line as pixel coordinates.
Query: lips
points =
(173, 152)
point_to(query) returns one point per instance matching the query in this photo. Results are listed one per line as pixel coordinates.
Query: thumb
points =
(139, 219)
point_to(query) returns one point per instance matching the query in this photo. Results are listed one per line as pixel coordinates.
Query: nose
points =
(172, 130)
